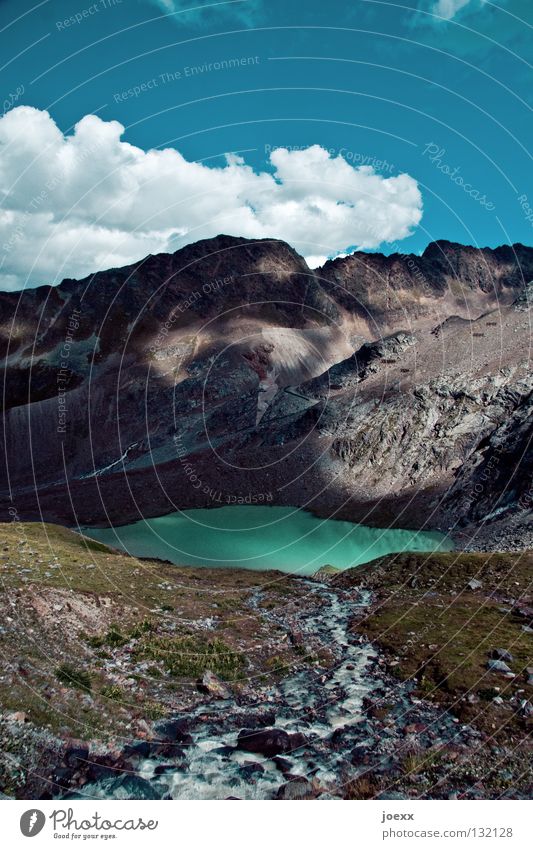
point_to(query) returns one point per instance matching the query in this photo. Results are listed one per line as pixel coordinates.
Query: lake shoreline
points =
(290, 540)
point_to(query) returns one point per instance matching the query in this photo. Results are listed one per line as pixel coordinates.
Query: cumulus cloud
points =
(89, 200)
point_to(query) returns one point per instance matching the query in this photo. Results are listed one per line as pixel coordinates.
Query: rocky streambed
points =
(341, 730)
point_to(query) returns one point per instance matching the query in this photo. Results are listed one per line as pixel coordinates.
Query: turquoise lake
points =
(260, 538)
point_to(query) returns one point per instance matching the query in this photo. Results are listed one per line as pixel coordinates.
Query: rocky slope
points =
(381, 389)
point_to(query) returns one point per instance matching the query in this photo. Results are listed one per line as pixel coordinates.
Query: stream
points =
(319, 715)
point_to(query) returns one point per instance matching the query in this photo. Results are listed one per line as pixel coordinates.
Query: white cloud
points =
(75, 204)
(448, 9)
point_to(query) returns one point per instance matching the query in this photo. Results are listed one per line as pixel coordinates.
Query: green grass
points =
(113, 692)
(440, 632)
(73, 677)
(190, 656)
(136, 620)
(505, 573)
(155, 710)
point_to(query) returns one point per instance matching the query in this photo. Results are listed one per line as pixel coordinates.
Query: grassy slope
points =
(93, 640)
(439, 631)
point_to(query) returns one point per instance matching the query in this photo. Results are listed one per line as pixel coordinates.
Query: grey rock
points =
(251, 770)
(498, 666)
(211, 685)
(174, 731)
(123, 787)
(501, 654)
(269, 741)
(297, 788)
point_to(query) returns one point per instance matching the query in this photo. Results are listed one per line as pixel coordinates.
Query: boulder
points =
(251, 770)
(500, 654)
(224, 751)
(359, 756)
(526, 708)
(298, 740)
(108, 766)
(211, 685)
(262, 718)
(18, 716)
(174, 731)
(165, 769)
(498, 666)
(76, 753)
(282, 764)
(297, 788)
(268, 741)
(167, 750)
(122, 787)
(140, 749)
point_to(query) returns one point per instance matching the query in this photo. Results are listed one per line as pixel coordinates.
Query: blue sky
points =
(426, 102)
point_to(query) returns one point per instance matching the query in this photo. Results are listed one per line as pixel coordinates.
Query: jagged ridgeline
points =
(391, 389)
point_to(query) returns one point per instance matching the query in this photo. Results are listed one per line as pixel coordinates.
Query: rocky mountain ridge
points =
(378, 389)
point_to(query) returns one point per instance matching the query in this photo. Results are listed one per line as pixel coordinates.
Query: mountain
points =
(386, 390)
